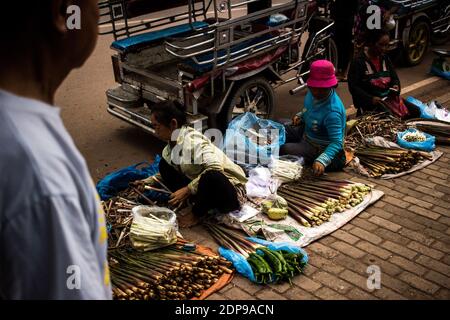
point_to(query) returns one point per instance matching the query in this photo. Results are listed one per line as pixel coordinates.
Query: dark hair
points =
(373, 36)
(165, 111)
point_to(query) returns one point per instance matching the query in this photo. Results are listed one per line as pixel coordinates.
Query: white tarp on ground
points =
(289, 230)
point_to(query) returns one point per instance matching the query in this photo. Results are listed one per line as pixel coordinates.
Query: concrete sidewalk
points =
(406, 234)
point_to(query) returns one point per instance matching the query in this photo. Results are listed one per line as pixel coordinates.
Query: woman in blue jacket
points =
(318, 132)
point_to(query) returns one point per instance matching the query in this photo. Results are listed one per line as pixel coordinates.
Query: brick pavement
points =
(406, 234)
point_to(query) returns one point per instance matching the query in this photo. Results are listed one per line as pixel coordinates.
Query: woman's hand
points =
(318, 168)
(179, 196)
(376, 100)
(396, 87)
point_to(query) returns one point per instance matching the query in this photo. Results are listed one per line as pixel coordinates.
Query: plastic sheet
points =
(427, 145)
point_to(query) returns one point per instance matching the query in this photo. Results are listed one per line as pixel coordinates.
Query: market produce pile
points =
(118, 221)
(378, 161)
(438, 129)
(312, 202)
(371, 125)
(168, 273)
(268, 266)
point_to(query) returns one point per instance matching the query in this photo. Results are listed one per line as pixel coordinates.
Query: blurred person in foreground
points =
(53, 240)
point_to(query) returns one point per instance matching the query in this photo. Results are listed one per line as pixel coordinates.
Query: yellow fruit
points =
(277, 214)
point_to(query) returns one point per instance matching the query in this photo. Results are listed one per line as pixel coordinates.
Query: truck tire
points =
(415, 48)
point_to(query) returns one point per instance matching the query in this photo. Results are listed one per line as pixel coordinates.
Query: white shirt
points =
(53, 240)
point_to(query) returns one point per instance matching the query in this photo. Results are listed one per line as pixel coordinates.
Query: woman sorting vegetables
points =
(317, 133)
(193, 167)
(372, 77)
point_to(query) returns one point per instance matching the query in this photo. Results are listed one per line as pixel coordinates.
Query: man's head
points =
(37, 36)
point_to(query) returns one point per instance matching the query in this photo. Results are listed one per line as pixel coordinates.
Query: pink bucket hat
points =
(322, 75)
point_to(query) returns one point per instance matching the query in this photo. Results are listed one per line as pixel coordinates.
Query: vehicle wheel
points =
(330, 53)
(253, 95)
(417, 44)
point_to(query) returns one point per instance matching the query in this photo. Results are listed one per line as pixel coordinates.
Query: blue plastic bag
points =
(239, 262)
(250, 140)
(427, 145)
(421, 106)
(119, 180)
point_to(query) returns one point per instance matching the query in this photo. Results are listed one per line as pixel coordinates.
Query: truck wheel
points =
(252, 95)
(417, 44)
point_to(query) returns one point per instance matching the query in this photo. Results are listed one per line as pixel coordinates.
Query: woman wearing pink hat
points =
(318, 131)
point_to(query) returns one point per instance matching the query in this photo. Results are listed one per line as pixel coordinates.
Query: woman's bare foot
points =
(188, 220)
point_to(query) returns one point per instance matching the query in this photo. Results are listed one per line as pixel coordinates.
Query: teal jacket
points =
(325, 122)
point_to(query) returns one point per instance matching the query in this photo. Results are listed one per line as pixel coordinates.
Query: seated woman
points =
(372, 76)
(317, 133)
(191, 165)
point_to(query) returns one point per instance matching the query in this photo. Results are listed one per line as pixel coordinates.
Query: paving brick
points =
(417, 236)
(363, 224)
(352, 264)
(444, 220)
(332, 282)
(442, 294)
(358, 294)
(408, 265)
(363, 234)
(373, 249)
(347, 227)
(429, 191)
(392, 236)
(443, 189)
(431, 172)
(328, 240)
(281, 287)
(433, 264)
(407, 223)
(328, 294)
(385, 223)
(324, 264)
(388, 294)
(424, 212)
(306, 284)
(418, 202)
(418, 282)
(298, 294)
(246, 285)
(324, 251)
(409, 192)
(379, 204)
(238, 294)
(348, 249)
(422, 182)
(435, 254)
(215, 296)
(269, 295)
(399, 249)
(438, 278)
(309, 270)
(345, 236)
(405, 289)
(355, 279)
(441, 211)
(379, 213)
(438, 181)
(444, 247)
(395, 201)
(437, 235)
(385, 266)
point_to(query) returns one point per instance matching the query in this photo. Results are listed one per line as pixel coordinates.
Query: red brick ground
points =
(406, 234)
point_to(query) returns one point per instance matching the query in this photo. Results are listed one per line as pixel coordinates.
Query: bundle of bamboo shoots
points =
(168, 273)
(379, 161)
(271, 267)
(311, 203)
(119, 219)
(371, 125)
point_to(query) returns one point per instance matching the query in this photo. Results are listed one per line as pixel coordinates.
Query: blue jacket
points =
(325, 125)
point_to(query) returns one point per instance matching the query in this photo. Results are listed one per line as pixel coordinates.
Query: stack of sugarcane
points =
(118, 218)
(311, 203)
(270, 267)
(379, 161)
(371, 125)
(165, 274)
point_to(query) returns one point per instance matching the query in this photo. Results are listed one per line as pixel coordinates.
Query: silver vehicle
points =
(219, 58)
